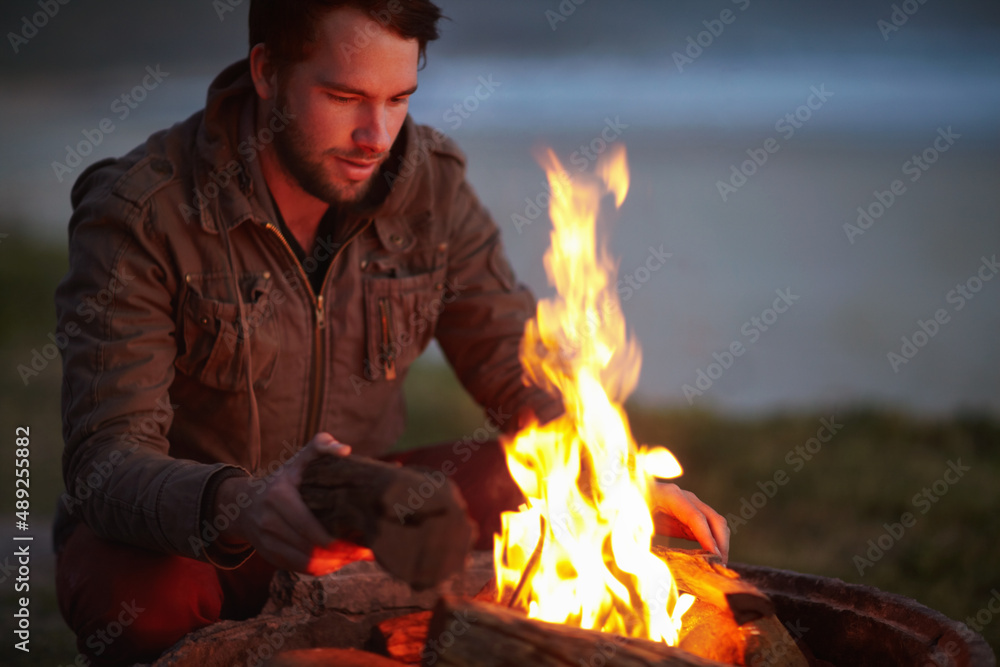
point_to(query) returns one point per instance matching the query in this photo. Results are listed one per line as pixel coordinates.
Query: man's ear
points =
(263, 72)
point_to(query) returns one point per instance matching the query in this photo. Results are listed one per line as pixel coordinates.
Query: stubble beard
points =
(311, 170)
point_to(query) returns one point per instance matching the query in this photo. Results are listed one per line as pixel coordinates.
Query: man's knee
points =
(128, 605)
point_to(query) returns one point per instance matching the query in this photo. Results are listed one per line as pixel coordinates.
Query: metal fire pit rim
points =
(862, 599)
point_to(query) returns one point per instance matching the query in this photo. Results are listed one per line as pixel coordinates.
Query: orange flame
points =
(578, 551)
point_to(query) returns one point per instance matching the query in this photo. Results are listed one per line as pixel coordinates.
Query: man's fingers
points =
(697, 523)
(283, 520)
(718, 526)
(285, 531)
(276, 542)
(321, 445)
(307, 528)
(670, 526)
(686, 516)
(282, 554)
(325, 443)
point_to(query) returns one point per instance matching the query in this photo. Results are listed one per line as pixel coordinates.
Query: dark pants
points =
(128, 605)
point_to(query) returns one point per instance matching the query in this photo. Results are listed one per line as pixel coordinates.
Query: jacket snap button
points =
(442, 247)
(204, 320)
(267, 275)
(364, 263)
(397, 239)
(439, 286)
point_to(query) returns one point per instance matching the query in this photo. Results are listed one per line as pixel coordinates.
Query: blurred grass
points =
(865, 476)
(29, 273)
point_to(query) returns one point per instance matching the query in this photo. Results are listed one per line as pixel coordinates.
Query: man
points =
(275, 263)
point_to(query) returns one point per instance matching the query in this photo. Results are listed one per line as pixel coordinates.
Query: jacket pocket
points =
(213, 339)
(400, 316)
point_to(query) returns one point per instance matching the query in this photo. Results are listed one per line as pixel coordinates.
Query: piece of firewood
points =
(713, 634)
(704, 576)
(414, 522)
(731, 622)
(742, 623)
(323, 657)
(466, 633)
(708, 631)
(405, 636)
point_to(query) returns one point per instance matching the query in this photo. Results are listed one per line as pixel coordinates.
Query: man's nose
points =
(372, 132)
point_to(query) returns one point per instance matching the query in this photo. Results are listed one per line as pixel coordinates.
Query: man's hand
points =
(277, 523)
(687, 517)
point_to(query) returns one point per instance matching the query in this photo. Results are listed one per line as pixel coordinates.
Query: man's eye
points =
(400, 100)
(339, 98)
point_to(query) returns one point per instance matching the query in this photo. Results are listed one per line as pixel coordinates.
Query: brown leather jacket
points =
(198, 350)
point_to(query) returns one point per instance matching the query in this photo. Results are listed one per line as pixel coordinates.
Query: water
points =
(781, 230)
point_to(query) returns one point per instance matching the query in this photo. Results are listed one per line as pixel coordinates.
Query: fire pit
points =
(839, 623)
(849, 624)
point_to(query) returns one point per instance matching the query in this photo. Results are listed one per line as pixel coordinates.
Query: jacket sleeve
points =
(480, 331)
(115, 308)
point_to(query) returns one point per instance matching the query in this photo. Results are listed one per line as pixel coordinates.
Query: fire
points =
(578, 551)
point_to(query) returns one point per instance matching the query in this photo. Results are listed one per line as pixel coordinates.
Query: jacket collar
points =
(219, 172)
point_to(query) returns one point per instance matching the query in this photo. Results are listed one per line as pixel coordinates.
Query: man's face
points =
(349, 100)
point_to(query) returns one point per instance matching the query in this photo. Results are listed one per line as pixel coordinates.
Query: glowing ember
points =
(578, 551)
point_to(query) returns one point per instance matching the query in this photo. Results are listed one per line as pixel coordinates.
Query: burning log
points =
(713, 634)
(417, 529)
(405, 636)
(321, 657)
(731, 623)
(466, 633)
(703, 576)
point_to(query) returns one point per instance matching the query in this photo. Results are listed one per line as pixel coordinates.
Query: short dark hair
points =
(288, 27)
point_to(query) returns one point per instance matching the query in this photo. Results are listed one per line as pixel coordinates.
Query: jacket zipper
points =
(317, 370)
(385, 310)
(316, 385)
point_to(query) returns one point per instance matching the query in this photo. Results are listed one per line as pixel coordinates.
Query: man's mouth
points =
(358, 170)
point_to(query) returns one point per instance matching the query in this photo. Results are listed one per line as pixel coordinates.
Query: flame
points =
(578, 551)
